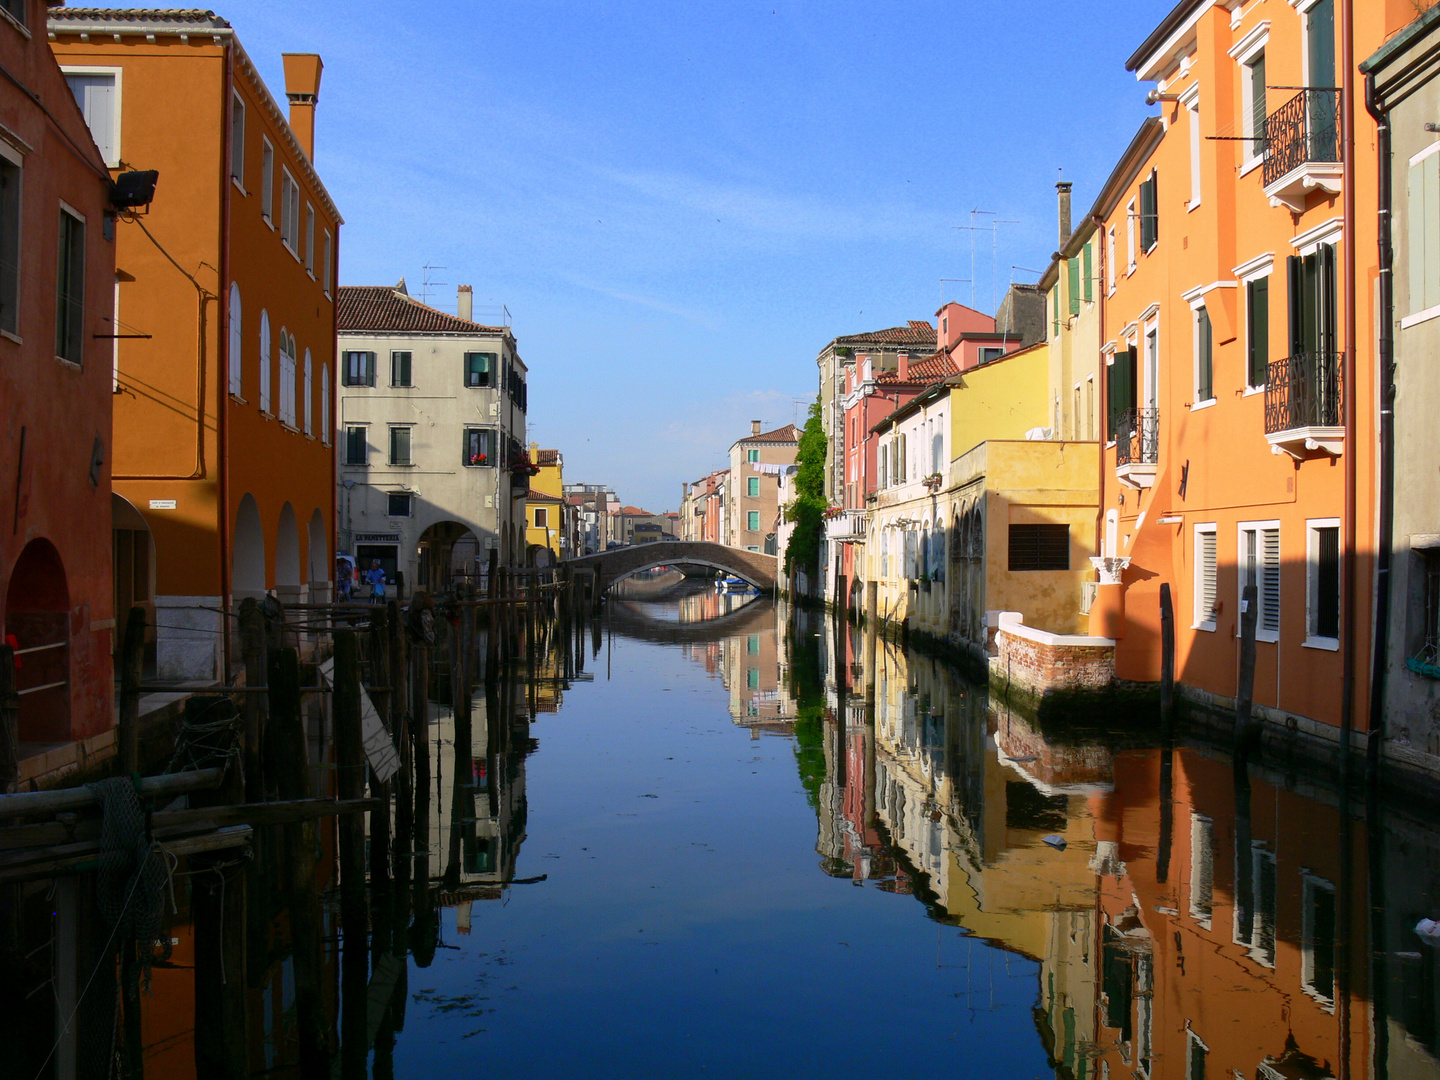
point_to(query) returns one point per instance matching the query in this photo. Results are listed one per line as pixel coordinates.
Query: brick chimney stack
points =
(754, 428)
(302, 88)
(465, 303)
(1063, 187)
(902, 367)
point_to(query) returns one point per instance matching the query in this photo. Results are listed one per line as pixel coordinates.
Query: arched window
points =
(325, 404)
(309, 396)
(236, 367)
(287, 380)
(264, 361)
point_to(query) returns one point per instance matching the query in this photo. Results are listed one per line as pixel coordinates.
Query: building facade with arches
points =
(224, 324)
(433, 467)
(56, 607)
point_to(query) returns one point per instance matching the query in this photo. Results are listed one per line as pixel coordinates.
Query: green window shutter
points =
(1149, 222)
(1120, 389)
(1257, 295)
(1295, 282)
(1073, 265)
(1087, 274)
(1204, 358)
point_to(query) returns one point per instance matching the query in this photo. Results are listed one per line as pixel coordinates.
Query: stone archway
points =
(247, 552)
(37, 626)
(287, 557)
(449, 553)
(133, 565)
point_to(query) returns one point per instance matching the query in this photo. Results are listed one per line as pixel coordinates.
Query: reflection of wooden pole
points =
(9, 720)
(400, 723)
(132, 658)
(872, 631)
(252, 652)
(217, 911)
(388, 705)
(420, 757)
(293, 782)
(1167, 660)
(350, 772)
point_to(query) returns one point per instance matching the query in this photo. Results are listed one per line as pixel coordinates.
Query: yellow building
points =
(545, 505)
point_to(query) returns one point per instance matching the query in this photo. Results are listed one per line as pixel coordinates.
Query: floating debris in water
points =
(1057, 842)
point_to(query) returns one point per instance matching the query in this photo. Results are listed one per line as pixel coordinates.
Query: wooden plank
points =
(29, 803)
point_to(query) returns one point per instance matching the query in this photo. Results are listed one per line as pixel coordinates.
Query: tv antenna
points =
(993, 229)
(426, 284)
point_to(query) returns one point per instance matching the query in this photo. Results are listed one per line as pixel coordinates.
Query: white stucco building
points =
(432, 465)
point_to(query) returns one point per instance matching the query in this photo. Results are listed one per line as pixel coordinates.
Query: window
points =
(1192, 112)
(1110, 261)
(752, 521)
(287, 377)
(310, 239)
(400, 446)
(752, 455)
(15, 9)
(1039, 547)
(70, 288)
(1149, 213)
(1320, 49)
(1426, 604)
(356, 445)
(1322, 619)
(1255, 114)
(1072, 267)
(1121, 397)
(881, 474)
(289, 212)
(265, 362)
(329, 262)
(325, 404)
(1206, 591)
(1423, 232)
(237, 141)
(990, 352)
(541, 520)
(1131, 216)
(98, 95)
(1311, 280)
(1317, 955)
(478, 448)
(1257, 325)
(1090, 407)
(1196, 1054)
(397, 504)
(752, 486)
(1259, 905)
(267, 181)
(937, 452)
(479, 369)
(1260, 566)
(359, 369)
(9, 245)
(1204, 357)
(400, 369)
(236, 364)
(752, 678)
(309, 424)
(1202, 868)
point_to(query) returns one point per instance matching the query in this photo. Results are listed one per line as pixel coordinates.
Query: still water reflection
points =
(744, 843)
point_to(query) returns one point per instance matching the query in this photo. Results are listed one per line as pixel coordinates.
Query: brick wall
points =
(1055, 664)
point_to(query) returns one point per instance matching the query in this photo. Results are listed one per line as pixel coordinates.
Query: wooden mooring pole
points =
(252, 654)
(386, 703)
(1247, 733)
(9, 721)
(350, 772)
(1167, 661)
(132, 659)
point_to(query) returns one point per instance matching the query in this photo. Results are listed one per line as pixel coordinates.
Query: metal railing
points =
(850, 525)
(1304, 390)
(1305, 129)
(1137, 437)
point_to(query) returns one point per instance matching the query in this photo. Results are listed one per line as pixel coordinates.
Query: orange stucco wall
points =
(1233, 476)
(60, 408)
(175, 117)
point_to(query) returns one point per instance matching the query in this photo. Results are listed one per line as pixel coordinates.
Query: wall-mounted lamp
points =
(1154, 97)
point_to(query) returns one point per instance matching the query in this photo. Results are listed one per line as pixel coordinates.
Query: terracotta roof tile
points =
(383, 309)
(188, 15)
(927, 369)
(787, 434)
(542, 496)
(918, 332)
(547, 458)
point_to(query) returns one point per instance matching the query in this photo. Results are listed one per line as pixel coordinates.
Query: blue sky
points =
(681, 203)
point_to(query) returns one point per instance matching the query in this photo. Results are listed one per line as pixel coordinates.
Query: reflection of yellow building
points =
(750, 670)
(545, 503)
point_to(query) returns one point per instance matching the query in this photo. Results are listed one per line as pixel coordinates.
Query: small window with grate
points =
(399, 504)
(1039, 547)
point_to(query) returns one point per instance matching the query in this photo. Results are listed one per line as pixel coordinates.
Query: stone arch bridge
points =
(611, 566)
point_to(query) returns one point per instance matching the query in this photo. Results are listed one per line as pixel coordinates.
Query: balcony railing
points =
(849, 525)
(1304, 391)
(1137, 437)
(1305, 129)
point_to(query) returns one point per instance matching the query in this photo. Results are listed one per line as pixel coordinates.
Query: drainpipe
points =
(222, 381)
(1102, 381)
(1386, 500)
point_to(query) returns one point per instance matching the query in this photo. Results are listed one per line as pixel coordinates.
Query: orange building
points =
(223, 292)
(1237, 279)
(57, 223)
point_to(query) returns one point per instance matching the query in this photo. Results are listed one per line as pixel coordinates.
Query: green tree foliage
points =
(807, 509)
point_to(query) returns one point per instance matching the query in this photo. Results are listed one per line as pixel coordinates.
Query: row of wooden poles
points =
(270, 809)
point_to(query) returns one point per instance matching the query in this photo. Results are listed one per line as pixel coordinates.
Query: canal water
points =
(738, 840)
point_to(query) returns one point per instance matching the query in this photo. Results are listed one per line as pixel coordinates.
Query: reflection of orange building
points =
(55, 221)
(1227, 315)
(225, 364)
(1221, 934)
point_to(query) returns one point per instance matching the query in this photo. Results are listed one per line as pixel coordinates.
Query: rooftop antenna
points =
(972, 228)
(943, 280)
(426, 284)
(995, 256)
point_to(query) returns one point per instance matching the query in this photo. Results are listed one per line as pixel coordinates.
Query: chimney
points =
(302, 87)
(465, 303)
(902, 370)
(1063, 187)
(754, 428)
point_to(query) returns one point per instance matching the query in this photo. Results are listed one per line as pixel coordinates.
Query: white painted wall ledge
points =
(1013, 622)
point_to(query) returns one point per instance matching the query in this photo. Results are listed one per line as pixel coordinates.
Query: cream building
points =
(433, 472)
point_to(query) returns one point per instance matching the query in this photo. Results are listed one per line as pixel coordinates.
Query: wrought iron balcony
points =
(1305, 404)
(1302, 148)
(849, 526)
(1137, 446)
